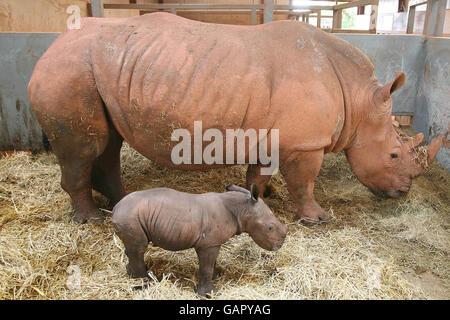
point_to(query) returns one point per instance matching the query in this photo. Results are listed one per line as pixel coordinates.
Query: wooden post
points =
(253, 17)
(337, 19)
(373, 19)
(307, 18)
(97, 8)
(319, 16)
(434, 17)
(411, 17)
(268, 11)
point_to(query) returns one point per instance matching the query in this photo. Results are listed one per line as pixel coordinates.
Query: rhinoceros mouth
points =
(277, 245)
(389, 194)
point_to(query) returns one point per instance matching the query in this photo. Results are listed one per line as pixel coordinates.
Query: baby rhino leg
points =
(207, 260)
(135, 246)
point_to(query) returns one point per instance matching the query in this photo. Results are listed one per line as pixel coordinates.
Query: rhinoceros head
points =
(259, 221)
(384, 159)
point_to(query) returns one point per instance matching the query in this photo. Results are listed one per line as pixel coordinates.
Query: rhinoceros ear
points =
(233, 187)
(384, 93)
(254, 190)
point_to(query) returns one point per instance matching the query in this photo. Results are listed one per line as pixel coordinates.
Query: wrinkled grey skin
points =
(176, 220)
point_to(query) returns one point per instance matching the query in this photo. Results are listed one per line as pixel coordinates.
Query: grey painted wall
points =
(19, 53)
(433, 95)
(425, 94)
(390, 53)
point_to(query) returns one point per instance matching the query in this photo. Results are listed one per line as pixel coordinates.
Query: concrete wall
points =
(433, 96)
(390, 53)
(391, 21)
(425, 94)
(18, 56)
(48, 15)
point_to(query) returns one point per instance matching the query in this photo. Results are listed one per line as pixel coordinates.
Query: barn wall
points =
(19, 53)
(426, 93)
(390, 53)
(241, 19)
(47, 15)
(433, 96)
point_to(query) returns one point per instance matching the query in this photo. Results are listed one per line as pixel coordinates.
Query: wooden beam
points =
(351, 31)
(152, 6)
(411, 18)
(268, 11)
(337, 19)
(97, 8)
(253, 17)
(434, 17)
(373, 19)
(355, 4)
(319, 17)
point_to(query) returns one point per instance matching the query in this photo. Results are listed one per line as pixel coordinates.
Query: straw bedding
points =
(372, 249)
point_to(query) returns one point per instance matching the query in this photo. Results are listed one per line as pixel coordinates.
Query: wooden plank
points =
(373, 19)
(150, 6)
(434, 17)
(268, 11)
(351, 31)
(304, 7)
(411, 17)
(319, 17)
(253, 17)
(337, 19)
(355, 4)
(97, 8)
(404, 121)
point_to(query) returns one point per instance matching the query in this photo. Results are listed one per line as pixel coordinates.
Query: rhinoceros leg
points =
(262, 181)
(76, 181)
(106, 171)
(299, 172)
(207, 260)
(71, 113)
(136, 267)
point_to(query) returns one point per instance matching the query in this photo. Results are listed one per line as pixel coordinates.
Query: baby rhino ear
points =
(254, 191)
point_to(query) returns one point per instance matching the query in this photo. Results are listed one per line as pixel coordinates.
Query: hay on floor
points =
(372, 249)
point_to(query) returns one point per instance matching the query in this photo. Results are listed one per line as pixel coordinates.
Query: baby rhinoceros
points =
(176, 220)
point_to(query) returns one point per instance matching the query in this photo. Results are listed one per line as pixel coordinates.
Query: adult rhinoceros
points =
(137, 79)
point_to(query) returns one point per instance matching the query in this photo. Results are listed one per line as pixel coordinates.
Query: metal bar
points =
(411, 18)
(434, 17)
(235, 12)
(319, 17)
(373, 19)
(304, 7)
(97, 8)
(418, 4)
(268, 11)
(253, 17)
(337, 19)
(180, 6)
(339, 30)
(214, 6)
(355, 4)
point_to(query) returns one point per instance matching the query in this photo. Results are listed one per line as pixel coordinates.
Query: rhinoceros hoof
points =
(93, 217)
(206, 290)
(313, 215)
(136, 275)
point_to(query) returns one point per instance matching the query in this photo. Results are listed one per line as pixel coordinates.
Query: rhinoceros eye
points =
(394, 155)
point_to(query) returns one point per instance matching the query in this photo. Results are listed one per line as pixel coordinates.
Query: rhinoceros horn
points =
(422, 157)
